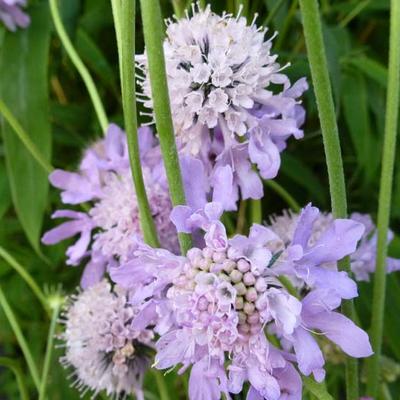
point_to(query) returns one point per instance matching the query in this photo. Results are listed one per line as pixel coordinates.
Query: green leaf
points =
(355, 105)
(23, 87)
(370, 68)
(317, 389)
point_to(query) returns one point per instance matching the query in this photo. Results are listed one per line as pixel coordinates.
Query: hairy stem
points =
(385, 198)
(330, 135)
(124, 14)
(80, 66)
(153, 37)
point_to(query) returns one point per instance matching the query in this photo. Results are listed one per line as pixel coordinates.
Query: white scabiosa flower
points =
(105, 352)
(218, 68)
(231, 104)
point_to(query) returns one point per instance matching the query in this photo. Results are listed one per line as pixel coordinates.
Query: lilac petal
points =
(146, 139)
(216, 236)
(260, 235)
(180, 216)
(93, 273)
(147, 315)
(339, 281)
(289, 382)
(224, 190)
(253, 394)
(392, 265)
(265, 155)
(213, 211)
(114, 142)
(320, 300)
(297, 89)
(249, 181)
(130, 274)
(194, 180)
(342, 331)
(62, 232)
(237, 376)
(202, 386)
(304, 226)
(308, 354)
(78, 250)
(171, 350)
(264, 383)
(338, 241)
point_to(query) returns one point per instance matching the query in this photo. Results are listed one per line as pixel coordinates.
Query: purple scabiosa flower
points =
(103, 349)
(110, 227)
(12, 15)
(363, 259)
(225, 111)
(219, 298)
(215, 304)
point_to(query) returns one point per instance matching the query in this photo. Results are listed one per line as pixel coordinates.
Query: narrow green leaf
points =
(370, 68)
(14, 366)
(5, 198)
(23, 86)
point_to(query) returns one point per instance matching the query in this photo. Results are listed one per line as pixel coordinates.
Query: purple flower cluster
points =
(103, 186)
(243, 312)
(215, 307)
(11, 14)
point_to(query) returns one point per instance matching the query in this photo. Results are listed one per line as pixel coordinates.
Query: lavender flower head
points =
(220, 75)
(363, 260)
(110, 228)
(102, 348)
(223, 297)
(12, 15)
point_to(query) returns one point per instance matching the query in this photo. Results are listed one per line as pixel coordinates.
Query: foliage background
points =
(44, 91)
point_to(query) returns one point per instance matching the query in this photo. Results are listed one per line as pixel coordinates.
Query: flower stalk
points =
(385, 197)
(330, 134)
(153, 37)
(80, 66)
(124, 16)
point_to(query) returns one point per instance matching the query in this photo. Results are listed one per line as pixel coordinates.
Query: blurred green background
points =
(44, 91)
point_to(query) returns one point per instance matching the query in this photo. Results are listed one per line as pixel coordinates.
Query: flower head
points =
(12, 15)
(363, 259)
(221, 75)
(222, 298)
(102, 347)
(111, 227)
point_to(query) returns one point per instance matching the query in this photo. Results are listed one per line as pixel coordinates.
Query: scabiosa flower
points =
(110, 227)
(224, 296)
(103, 349)
(363, 260)
(12, 15)
(220, 76)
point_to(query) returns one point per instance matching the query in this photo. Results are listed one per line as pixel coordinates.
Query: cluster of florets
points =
(102, 347)
(220, 75)
(111, 227)
(363, 260)
(12, 15)
(224, 297)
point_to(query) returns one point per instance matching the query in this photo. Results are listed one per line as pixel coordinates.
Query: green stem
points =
(330, 135)
(241, 217)
(179, 7)
(256, 211)
(49, 351)
(161, 386)
(286, 26)
(354, 12)
(24, 137)
(124, 10)
(284, 194)
(153, 37)
(25, 276)
(14, 366)
(385, 197)
(80, 66)
(20, 338)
